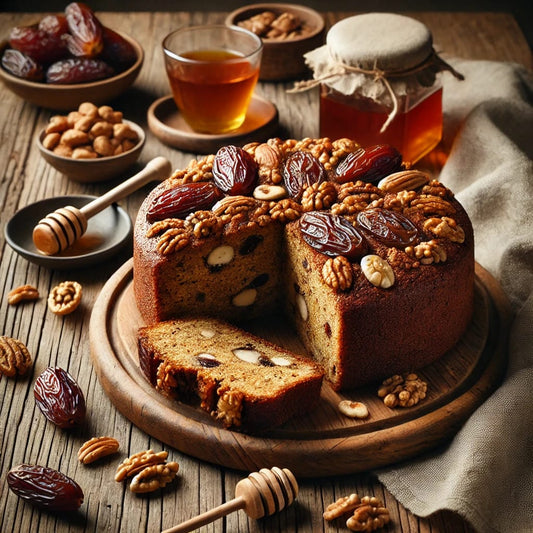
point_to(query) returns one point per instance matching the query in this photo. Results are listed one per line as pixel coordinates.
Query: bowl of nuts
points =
(288, 31)
(92, 143)
(65, 59)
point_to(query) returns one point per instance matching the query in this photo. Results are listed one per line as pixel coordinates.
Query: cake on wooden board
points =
(372, 262)
(245, 382)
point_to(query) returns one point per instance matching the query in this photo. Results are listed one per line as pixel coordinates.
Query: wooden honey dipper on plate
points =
(261, 494)
(62, 228)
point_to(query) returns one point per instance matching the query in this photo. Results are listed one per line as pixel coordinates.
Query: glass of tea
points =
(212, 71)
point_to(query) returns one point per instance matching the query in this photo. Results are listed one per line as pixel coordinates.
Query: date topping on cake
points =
(301, 170)
(234, 171)
(369, 164)
(183, 199)
(390, 227)
(332, 235)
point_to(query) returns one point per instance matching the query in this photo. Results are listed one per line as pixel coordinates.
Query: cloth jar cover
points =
(485, 473)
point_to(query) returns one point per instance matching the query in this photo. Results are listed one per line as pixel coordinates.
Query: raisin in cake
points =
(242, 380)
(372, 262)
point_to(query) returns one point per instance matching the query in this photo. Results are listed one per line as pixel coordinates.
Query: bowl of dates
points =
(288, 31)
(65, 59)
(91, 144)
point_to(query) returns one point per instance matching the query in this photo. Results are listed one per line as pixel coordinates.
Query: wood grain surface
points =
(26, 436)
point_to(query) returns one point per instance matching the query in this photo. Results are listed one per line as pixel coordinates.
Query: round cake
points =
(372, 262)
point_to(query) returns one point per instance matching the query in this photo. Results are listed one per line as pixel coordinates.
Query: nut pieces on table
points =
(369, 513)
(22, 293)
(154, 477)
(149, 470)
(65, 297)
(97, 448)
(15, 359)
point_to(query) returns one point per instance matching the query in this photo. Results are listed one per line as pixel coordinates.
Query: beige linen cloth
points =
(485, 473)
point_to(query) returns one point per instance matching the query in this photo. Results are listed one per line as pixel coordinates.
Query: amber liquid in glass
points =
(213, 91)
(414, 132)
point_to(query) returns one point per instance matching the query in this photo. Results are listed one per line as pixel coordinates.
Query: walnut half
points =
(370, 515)
(154, 477)
(22, 293)
(14, 357)
(65, 297)
(400, 391)
(96, 448)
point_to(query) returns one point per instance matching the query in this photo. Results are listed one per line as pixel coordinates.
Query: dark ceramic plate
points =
(107, 233)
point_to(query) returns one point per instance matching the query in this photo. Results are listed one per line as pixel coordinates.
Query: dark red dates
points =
(45, 488)
(85, 38)
(55, 25)
(332, 235)
(22, 66)
(302, 169)
(41, 46)
(117, 51)
(234, 171)
(60, 398)
(183, 199)
(68, 48)
(389, 227)
(369, 164)
(78, 70)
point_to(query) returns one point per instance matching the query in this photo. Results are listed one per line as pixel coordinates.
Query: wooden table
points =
(26, 436)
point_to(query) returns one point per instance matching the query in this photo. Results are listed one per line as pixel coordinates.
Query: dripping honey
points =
(414, 132)
(213, 88)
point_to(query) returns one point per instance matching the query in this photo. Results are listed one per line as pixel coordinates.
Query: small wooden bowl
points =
(67, 97)
(283, 59)
(94, 170)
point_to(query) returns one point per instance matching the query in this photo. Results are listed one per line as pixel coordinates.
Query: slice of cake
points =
(245, 382)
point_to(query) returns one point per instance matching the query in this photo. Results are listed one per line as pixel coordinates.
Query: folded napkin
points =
(485, 473)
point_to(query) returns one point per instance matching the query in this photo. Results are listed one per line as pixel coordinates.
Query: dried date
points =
(78, 70)
(389, 227)
(85, 38)
(45, 487)
(302, 169)
(183, 199)
(60, 398)
(22, 66)
(42, 47)
(369, 164)
(234, 171)
(332, 235)
(55, 25)
(117, 51)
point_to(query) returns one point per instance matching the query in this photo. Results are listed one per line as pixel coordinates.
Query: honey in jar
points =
(379, 83)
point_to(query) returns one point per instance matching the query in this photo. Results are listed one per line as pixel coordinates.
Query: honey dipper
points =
(260, 494)
(62, 228)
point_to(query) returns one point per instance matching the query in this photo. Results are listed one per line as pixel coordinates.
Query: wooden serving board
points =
(325, 442)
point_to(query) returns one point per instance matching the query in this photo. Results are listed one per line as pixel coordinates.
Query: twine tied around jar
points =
(433, 61)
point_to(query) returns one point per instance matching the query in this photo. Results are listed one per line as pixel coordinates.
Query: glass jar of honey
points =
(379, 83)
